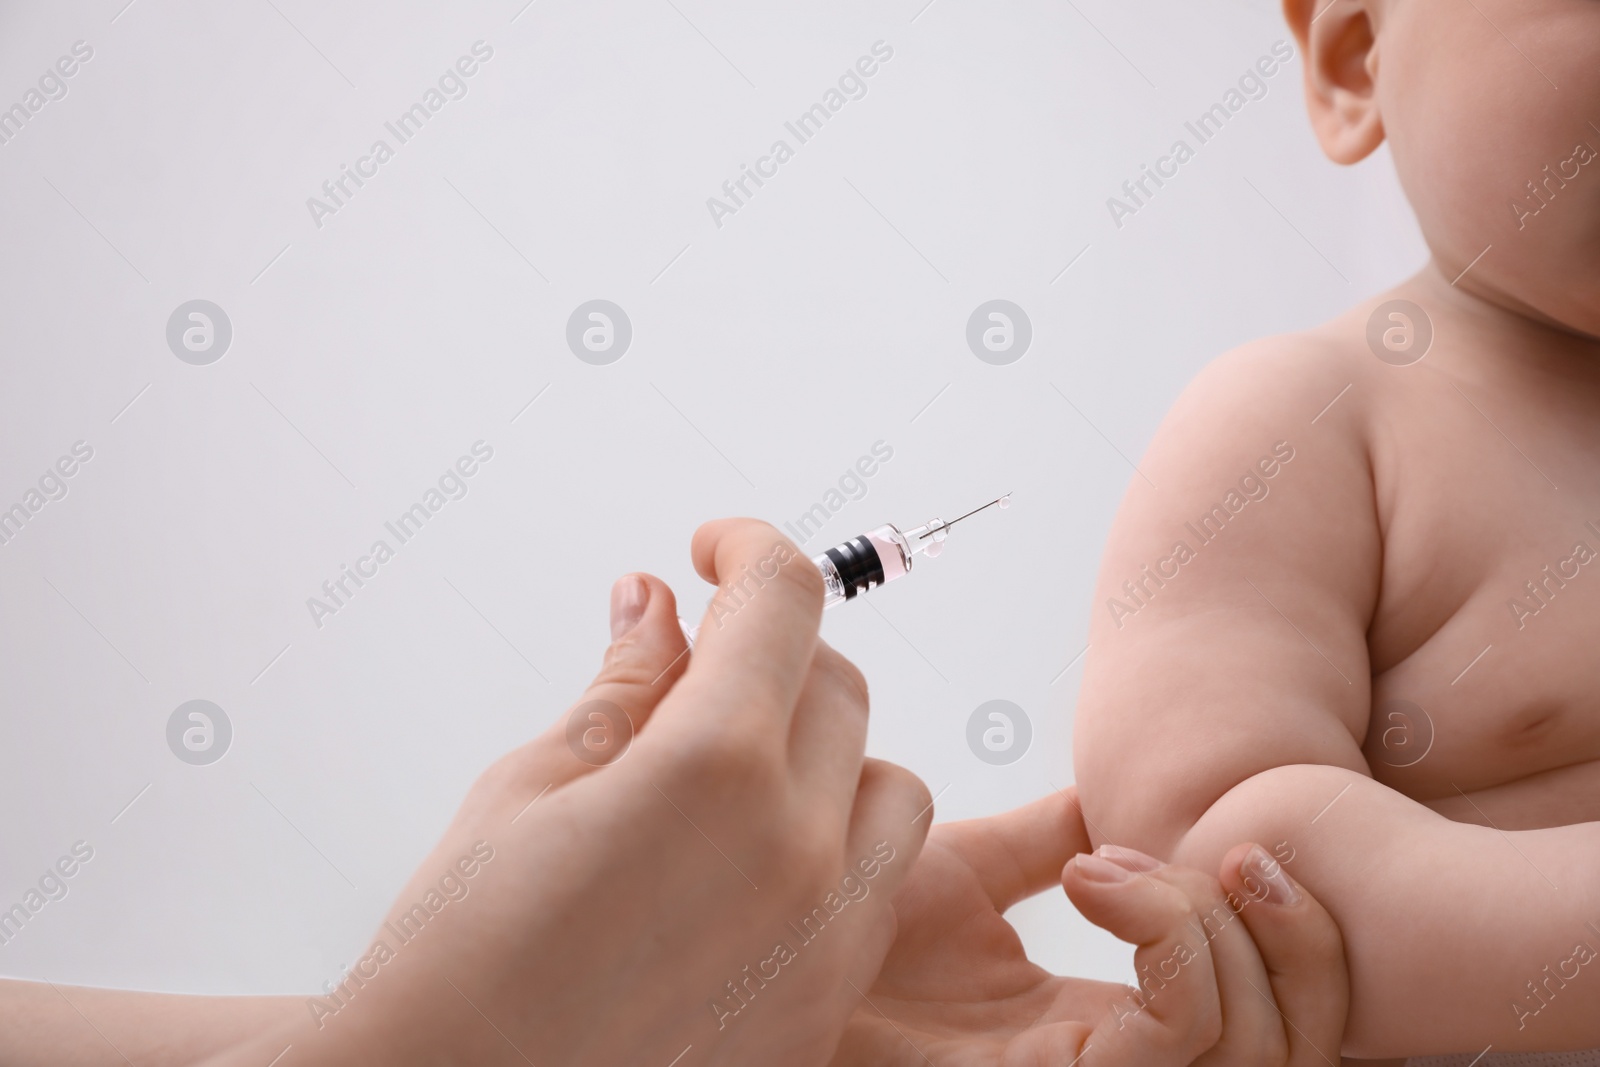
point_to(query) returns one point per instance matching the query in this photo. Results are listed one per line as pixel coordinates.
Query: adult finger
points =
(1302, 950)
(884, 839)
(1252, 1030)
(1175, 1014)
(828, 736)
(646, 655)
(886, 832)
(755, 643)
(1021, 852)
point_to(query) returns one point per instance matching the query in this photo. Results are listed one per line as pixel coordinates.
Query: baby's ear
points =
(1339, 48)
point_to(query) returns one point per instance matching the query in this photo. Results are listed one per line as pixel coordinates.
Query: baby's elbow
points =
(1149, 810)
(1195, 815)
(1274, 808)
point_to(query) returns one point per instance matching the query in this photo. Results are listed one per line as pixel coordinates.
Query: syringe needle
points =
(1003, 501)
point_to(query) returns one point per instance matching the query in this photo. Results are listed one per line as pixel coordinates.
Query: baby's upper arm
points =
(1229, 629)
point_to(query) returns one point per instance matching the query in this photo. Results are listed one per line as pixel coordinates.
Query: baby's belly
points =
(1556, 797)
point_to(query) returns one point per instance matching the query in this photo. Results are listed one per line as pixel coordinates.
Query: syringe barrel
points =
(864, 562)
(867, 561)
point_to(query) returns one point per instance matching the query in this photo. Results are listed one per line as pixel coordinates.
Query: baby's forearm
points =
(1458, 937)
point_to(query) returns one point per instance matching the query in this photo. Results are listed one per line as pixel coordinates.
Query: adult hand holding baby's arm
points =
(1248, 971)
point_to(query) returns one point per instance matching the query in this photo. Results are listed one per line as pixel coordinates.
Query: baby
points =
(1352, 607)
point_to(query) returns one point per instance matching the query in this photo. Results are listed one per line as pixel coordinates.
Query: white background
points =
(771, 353)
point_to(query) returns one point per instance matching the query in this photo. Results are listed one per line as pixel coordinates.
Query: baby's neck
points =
(1502, 327)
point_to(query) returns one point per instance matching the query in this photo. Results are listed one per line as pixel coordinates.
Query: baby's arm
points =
(1227, 695)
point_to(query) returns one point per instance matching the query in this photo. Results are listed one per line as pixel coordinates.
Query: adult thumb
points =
(648, 650)
(646, 655)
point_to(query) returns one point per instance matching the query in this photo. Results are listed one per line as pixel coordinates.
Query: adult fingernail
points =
(1265, 880)
(629, 598)
(1129, 858)
(1095, 869)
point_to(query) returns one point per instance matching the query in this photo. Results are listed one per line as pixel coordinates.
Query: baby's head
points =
(1492, 112)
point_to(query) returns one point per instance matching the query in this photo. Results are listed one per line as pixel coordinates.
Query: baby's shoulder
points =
(1312, 394)
(1325, 376)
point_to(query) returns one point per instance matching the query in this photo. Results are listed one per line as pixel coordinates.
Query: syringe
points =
(883, 554)
(877, 557)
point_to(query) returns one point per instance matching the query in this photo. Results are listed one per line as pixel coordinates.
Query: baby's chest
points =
(1485, 634)
(1497, 708)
